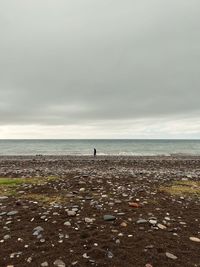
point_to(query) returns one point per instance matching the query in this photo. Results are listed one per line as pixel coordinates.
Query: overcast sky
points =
(99, 69)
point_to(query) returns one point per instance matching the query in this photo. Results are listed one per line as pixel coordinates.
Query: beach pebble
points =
(44, 264)
(170, 256)
(11, 213)
(6, 237)
(110, 255)
(161, 226)
(153, 222)
(59, 263)
(109, 218)
(3, 197)
(29, 260)
(85, 256)
(37, 230)
(123, 224)
(67, 223)
(88, 220)
(141, 221)
(82, 189)
(71, 213)
(195, 239)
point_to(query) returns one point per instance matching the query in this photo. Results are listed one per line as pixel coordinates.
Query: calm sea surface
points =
(104, 147)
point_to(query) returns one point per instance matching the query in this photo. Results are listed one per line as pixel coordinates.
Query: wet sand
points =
(56, 215)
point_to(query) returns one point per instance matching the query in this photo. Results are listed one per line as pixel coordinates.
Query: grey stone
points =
(71, 213)
(109, 218)
(110, 255)
(13, 212)
(141, 221)
(38, 229)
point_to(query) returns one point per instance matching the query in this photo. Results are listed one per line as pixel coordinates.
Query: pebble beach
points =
(114, 211)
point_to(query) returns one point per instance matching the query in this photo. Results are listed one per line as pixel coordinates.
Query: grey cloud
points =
(65, 62)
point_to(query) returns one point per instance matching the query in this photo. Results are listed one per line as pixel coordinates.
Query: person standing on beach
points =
(95, 152)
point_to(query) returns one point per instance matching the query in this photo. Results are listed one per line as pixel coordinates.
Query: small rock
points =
(88, 220)
(59, 263)
(109, 218)
(141, 221)
(82, 189)
(3, 197)
(153, 222)
(6, 237)
(67, 223)
(11, 213)
(44, 264)
(195, 239)
(38, 229)
(29, 260)
(110, 255)
(71, 213)
(171, 256)
(85, 256)
(161, 226)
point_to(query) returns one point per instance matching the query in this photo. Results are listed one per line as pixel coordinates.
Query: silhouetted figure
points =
(95, 152)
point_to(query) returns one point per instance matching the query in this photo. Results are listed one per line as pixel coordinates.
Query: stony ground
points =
(116, 212)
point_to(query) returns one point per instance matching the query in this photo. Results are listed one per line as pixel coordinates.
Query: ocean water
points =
(104, 147)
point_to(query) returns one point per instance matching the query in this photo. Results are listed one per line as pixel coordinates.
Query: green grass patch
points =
(11, 181)
(9, 186)
(182, 188)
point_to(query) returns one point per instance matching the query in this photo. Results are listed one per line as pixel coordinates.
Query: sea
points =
(120, 147)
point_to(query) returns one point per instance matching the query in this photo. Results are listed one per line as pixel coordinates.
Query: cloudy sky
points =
(99, 69)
